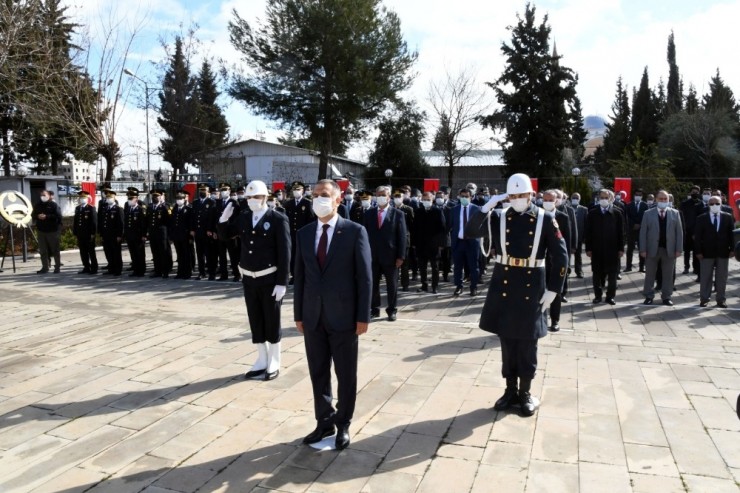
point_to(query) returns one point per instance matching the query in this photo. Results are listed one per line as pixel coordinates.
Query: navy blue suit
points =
(387, 244)
(465, 250)
(330, 302)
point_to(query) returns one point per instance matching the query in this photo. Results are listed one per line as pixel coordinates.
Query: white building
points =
(78, 171)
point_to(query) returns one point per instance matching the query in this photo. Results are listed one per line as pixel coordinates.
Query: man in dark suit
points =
(298, 210)
(691, 208)
(713, 244)
(181, 225)
(550, 200)
(408, 212)
(158, 218)
(110, 225)
(430, 234)
(386, 228)
(333, 288)
(604, 241)
(206, 248)
(465, 250)
(84, 228)
(581, 215)
(228, 249)
(634, 212)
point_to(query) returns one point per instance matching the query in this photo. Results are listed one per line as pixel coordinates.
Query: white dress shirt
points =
(461, 231)
(329, 232)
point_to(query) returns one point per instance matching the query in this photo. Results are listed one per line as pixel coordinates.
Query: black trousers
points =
(604, 278)
(201, 246)
(689, 255)
(434, 262)
(263, 313)
(191, 248)
(228, 248)
(578, 260)
(211, 256)
(86, 244)
(556, 304)
(518, 357)
(445, 261)
(112, 249)
(161, 253)
(413, 260)
(184, 263)
(390, 273)
(138, 254)
(405, 272)
(322, 348)
(633, 238)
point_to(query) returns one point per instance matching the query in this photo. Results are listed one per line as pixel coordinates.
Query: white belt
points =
(259, 273)
(520, 262)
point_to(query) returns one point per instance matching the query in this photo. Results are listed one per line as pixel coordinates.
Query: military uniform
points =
(84, 228)
(300, 213)
(180, 227)
(134, 230)
(159, 218)
(228, 253)
(206, 248)
(110, 220)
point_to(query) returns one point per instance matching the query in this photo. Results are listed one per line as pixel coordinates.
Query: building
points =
(78, 171)
(254, 159)
(480, 166)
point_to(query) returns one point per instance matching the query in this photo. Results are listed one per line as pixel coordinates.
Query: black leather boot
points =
(510, 397)
(528, 405)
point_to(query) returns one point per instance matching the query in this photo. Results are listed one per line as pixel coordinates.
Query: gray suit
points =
(665, 256)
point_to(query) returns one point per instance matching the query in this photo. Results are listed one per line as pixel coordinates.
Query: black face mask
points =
(203, 195)
(694, 196)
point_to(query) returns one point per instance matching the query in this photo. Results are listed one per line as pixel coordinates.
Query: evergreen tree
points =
(659, 101)
(721, 99)
(212, 124)
(644, 114)
(616, 138)
(322, 67)
(674, 98)
(537, 96)
(692, 100)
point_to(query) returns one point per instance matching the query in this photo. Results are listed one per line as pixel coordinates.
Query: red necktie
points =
(321, 250)
(662, 214)
(380, 218)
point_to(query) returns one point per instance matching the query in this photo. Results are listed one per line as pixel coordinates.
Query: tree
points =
(323, 68)
(537, 96)
(398, 148)
(211, 122)
(648, 170)
(644, 114)
(674, 98)
(721, 99)
(457, 106)
(692, 100)
(616, 138)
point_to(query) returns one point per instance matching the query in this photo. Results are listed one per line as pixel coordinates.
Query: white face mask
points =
(650, 202)
(322, 206)
(398, 201)
(706, 197)
(225, 194)
(575, 202)
(180, 202)
(426, 203)
(382, 201)
(519, 205)
(366, 204)
(110, 201)
(348, 197)
(604, 203)
(548, 205)
(715, 208)
(255, 204)
(83, 201)
(439, 201)
(638, 198)
(214, 196)
(662, 205)
(297, 194)
(240, 196)
(271, 204)
(132, 202)
(44, 198)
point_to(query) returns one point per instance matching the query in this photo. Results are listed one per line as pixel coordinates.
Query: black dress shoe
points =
(156, 274)
(223, 278)
(374, 313)
(84, 271)
(211, 278)
(579, 275)
(342, 440)
(563, 299)
(509, 399)
(473, 292)
(392, 317)
(642, 269)
(628, 269)
(165, 276)
(721, 304)
(271, 375)
(237, 278)
(597, 299)
(528, 406)
(611, 301)
(404, 289)
(423, 287)
(686, 270)
(619, 277)
(554, 327)
(434, 290)
(57, 271)
(667, 302)
(319, 434)
(93, 272)
(697, 279)
(457, 292)
(648, 301)
(704, 303)
(255, 373)
(42, 271)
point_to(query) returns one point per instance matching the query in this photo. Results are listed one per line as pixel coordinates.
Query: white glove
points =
(279, 292)
(226, 214)
(493, 201)
(547, 298)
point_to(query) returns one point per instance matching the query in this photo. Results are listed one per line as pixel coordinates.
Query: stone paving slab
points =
(129, 385)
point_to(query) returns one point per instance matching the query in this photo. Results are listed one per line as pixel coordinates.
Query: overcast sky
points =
(600, 40)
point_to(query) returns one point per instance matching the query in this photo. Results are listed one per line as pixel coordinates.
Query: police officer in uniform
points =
(134, 230)
(274, 203)
(298, 209)
(357, 214)
(227, 247)
(265, 266)
(110, 221)
(159, 217)
(102, 208)
(205, 247)
(180, 227)
(522, 235)
(84, 227)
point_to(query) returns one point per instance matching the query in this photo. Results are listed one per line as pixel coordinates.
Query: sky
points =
(599, 39)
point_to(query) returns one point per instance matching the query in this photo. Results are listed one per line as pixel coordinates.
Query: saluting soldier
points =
(206, 249)
(110, 221)
(522, 235)
(299, 212)
(180, 227)
(265, 265)
(84, 227)
(160, 215)
(135, 229)
(227, 247)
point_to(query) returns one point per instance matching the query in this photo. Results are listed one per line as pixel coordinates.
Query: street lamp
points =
(576, 172)
(389, 175)
(146, 109)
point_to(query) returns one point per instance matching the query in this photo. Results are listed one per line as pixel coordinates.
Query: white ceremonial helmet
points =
(256, 187)
(519, 183)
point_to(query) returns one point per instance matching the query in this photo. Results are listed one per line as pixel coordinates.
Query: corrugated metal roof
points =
(260, 145)
(479, 157)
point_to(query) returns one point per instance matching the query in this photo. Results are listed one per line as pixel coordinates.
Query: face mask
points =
(255, 204)
(271, 204)
(575, 202)
(519, 205)
(240, 196)
(618, 198)
(398, 201)
(110, 201)
(322, 206)
(407, 195)
(638, 198)
(161, 199)
(464, 201)
(366, 204)
(694, 195)
(662, 205)
(414, 199)
(426, 203)
(225, 195)
(180, 202)
(214, 196)
(706, 197)
(348, 197)
(44, 198)
(382, 201)
(279, 196)
(548, 205)
(132, 202)
(538, 202)
(604, 203)
(83, 201)
(297, 194)
(202, 195)
(650, 202)
(439, 201)
(715, 208)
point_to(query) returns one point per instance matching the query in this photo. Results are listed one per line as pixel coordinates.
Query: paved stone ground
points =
(121, 385)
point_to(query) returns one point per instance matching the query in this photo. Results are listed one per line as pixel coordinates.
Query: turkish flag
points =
(431, 184)
(278, 185)
(733, 196)
(535, 184)
(343, 184)
(623, 185)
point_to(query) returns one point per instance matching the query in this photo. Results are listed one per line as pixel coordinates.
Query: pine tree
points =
(644, 114)
(721, 99)
(692, 100)
(616, 138)
(674, 98)
(537, 95)
(211, 122)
